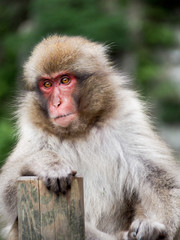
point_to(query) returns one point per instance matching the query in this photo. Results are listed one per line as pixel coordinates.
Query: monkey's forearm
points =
(155, 212)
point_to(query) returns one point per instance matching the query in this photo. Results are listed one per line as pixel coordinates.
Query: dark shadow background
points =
(144, 41)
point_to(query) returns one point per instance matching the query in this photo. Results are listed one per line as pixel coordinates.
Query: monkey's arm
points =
(154, 219)
(152, 174)
(157, 211)
(56, 174)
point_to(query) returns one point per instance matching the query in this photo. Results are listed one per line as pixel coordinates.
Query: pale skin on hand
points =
(78, 116)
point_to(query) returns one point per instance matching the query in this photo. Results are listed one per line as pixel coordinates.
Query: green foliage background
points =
(24, 23)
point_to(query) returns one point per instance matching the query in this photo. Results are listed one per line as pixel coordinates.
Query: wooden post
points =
(44, 216)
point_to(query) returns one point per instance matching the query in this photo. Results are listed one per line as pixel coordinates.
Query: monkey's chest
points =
(100, 203)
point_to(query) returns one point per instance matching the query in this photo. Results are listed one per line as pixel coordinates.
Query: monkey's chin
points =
(64, 120)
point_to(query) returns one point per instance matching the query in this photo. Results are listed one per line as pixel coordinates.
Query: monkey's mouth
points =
(64, 120)
(62, 116)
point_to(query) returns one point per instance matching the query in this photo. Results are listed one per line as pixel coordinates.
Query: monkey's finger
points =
(69, 180)
(63, 185)
(47, 183)
(74, 173)
(151, 230)
(52, 185)
(57, 187)
(132, 234)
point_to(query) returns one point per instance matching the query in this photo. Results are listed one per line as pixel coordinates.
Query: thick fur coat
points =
(131, 181)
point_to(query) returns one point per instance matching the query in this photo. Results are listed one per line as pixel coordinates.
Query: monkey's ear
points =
(29, 85)
(31, 71)
(97, 51)
(28, 76)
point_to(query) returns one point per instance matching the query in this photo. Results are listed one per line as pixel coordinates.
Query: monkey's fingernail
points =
(74, 173)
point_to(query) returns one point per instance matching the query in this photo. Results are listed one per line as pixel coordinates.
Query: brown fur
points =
(92, 104)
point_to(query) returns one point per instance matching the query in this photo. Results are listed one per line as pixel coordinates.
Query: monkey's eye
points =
(47, 84)
(65, 80)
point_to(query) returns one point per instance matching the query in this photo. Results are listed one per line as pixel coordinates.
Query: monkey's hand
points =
(56, 173)
(145, 230)
(59, 179)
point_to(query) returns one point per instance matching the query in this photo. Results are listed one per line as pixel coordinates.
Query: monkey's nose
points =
(57, 103)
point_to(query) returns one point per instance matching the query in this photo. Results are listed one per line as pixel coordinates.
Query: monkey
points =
(77, 115)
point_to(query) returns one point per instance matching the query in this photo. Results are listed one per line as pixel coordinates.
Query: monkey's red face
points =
(58, 89)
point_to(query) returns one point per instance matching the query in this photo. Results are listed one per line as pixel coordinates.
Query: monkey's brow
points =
(83, 76)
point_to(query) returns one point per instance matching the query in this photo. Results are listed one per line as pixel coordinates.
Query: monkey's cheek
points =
(65, 121)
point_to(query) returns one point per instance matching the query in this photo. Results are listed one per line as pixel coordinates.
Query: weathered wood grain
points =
(44, 215)
(28, 209)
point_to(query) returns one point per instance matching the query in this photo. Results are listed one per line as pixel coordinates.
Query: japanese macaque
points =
(78, 116)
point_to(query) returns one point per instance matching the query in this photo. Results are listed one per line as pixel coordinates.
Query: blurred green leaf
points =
(160, 35)
(6, 139)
